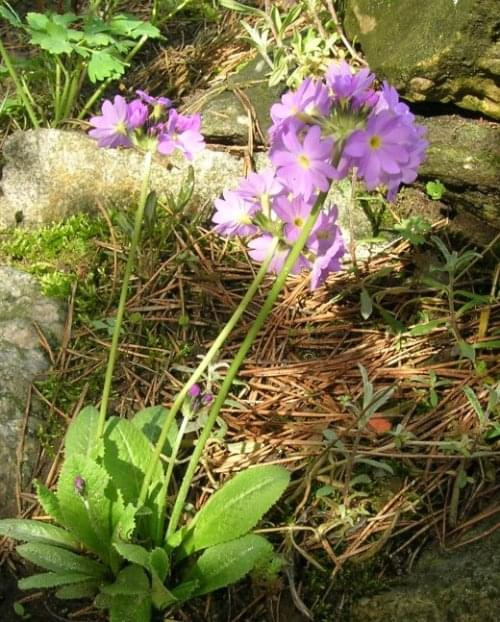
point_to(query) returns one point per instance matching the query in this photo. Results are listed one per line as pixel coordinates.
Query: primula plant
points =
(119, 537)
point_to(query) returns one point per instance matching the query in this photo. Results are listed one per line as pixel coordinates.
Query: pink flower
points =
(113, 125)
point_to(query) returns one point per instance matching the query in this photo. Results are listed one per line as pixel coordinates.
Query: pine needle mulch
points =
(420, 466)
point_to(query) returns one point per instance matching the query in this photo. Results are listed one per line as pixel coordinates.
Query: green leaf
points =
(131, 580)
(237, 507)
(127, 456)
(11, 16)
(159, 562)
(51, 579)
(93, 514)
(60, 560)
(85, 589)
(134, 553)
(49, 502)
(435, 189)
(127, 26)
(366, 304)
(467, 350)
(150, 422)
(54, 38)
(227, 563)
(37, 21)
(81, 435)
(36, 531)
(424, 329)
(103, 65)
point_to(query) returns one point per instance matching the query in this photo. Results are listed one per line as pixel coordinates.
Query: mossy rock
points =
(462, 585)
(445, 51)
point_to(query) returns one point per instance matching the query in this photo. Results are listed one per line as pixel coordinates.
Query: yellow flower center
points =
(375, 142)
(304, 161)
(298, 222)
(244, 219)
(121, 128)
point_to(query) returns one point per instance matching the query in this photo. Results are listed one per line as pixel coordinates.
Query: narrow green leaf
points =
(85, 589)
(159, 562)
(228, 562)
(237, 507)
(365, 304)
(37, 531)
(424, 329)
(51, 579)
(60, 560)
(80, 437)
(476, 405)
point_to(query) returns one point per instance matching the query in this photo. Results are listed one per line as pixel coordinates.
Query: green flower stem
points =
(196, 375)
(134, 243)
(237, 361)
(19, 86)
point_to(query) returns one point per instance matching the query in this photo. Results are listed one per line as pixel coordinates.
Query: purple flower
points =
(351, 88)
(138, 114)
(311, 98)
(194, 391)
(207, 399)
(259, 187)
(79, 484)
(304, 167)
(389, 100)
(380, 150)
(325, 232)
(329, 261)
(294, 213)
(259, 251)
(112, 126)
(154, 101)
(181, 132)
(234, 215)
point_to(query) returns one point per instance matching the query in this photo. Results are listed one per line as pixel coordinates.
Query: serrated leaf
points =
(37, 21)
(159, 562)
(36, 531)
(85, 589)
(81, 435)
(49, 502)
(103, 65)
(54, 39)
(127, 456)
(51, 579)
(131, 580)
(237, 507)
(150, 422)
(60, 560)
(91, 515)
(127, 26)
(134, 553)
(227, 563)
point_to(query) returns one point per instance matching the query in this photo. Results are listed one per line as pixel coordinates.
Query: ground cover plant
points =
(383, 428)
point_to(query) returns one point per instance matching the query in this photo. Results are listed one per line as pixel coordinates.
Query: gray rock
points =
(50, 174)
(227, 119)
(462, 585)
(446, 51)
(21, 360)
(465, 155)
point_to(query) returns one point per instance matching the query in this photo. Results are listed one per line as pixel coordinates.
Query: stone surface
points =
(437, 51)
(21, 360)
(461, 585)
(226, 118)
(50, 174)
(464, 154)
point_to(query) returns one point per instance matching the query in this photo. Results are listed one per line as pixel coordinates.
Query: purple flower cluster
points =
(147, 122)
(320, 132)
